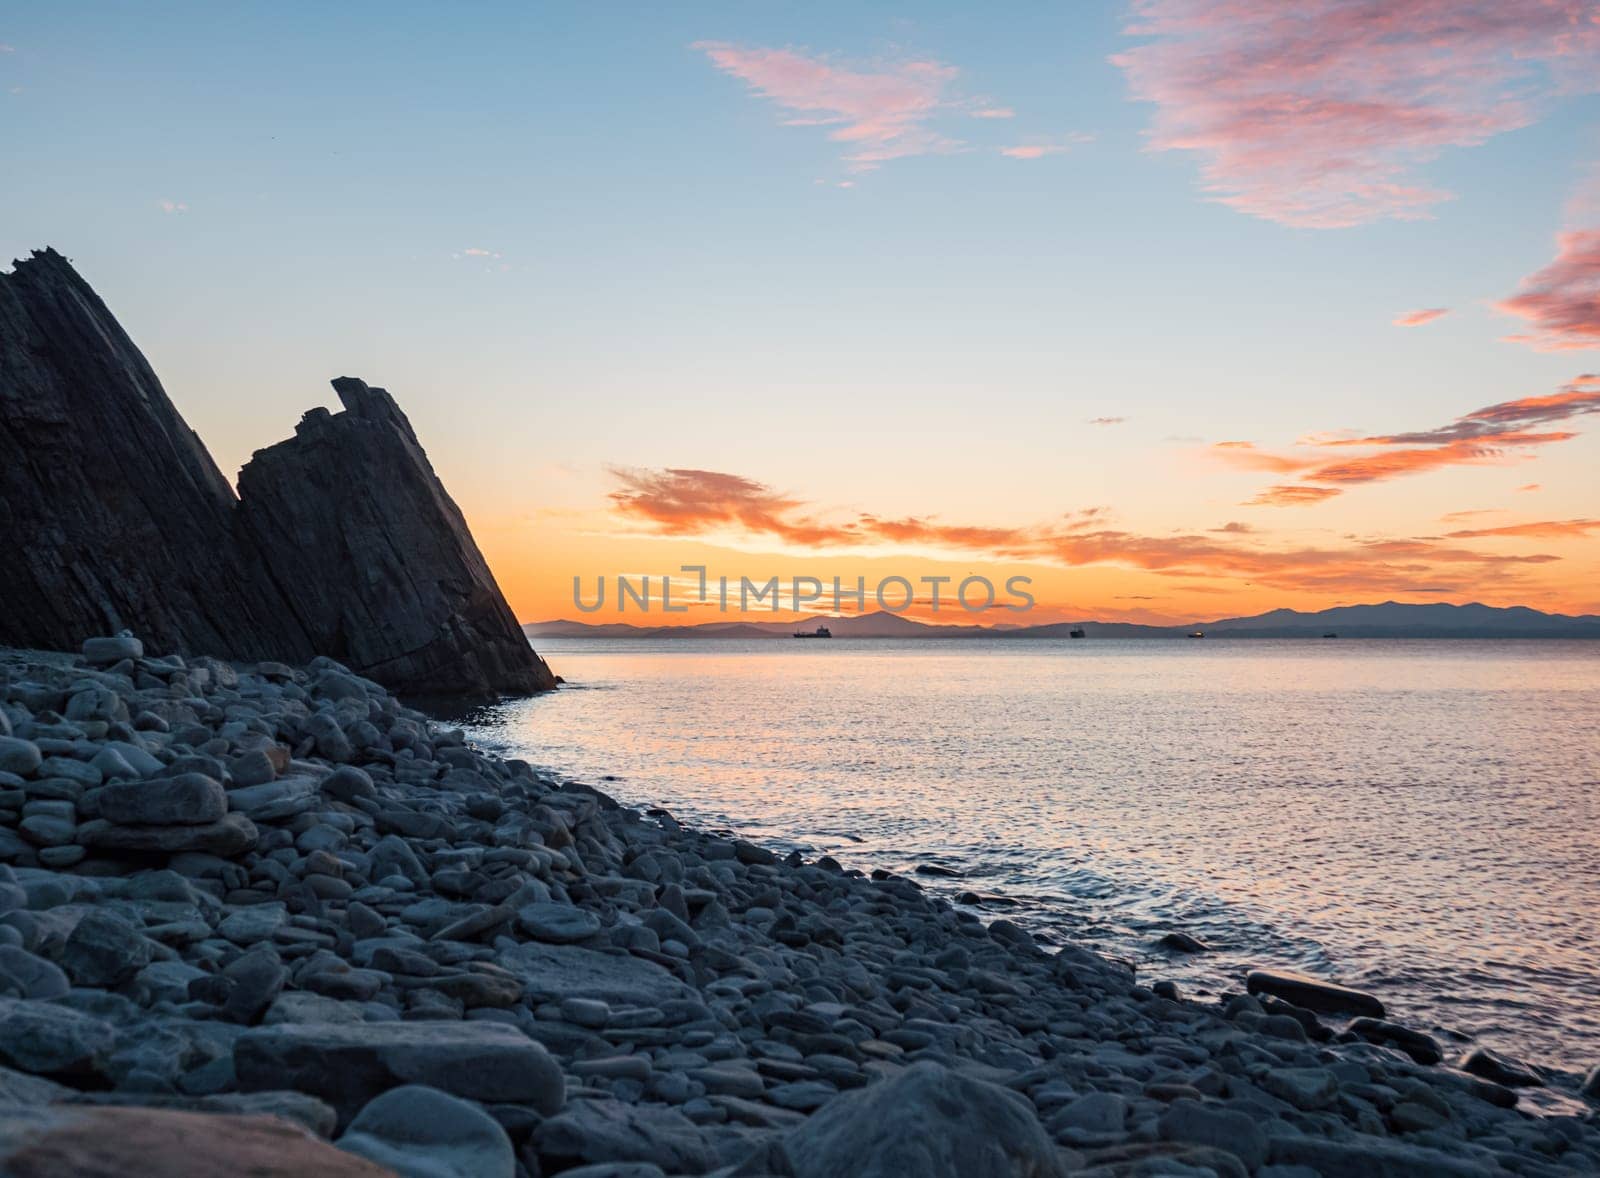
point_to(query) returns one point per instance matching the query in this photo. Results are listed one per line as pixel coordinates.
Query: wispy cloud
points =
(880, 112)
(1247, 456)
(1418, 318)
(1561, 302)
(993, 112)
(1107, 420)
(1320, 113)
(1550, 529)
(1492, 436)
(173, 207)
(1291, 495)
(684, 502)
(1042, 148)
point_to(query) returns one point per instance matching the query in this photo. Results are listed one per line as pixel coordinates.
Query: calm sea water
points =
(1414, 818)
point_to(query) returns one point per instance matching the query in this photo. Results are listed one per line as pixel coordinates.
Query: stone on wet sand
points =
(1500, 1069)
(1420, 1047)
(1313, 993)
(420, 1132)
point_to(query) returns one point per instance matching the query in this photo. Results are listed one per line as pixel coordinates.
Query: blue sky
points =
(673, 276)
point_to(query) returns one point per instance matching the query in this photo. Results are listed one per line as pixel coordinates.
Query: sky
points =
(1181, 309)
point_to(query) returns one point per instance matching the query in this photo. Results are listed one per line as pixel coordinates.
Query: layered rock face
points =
(386, 575)
(115, 516)
(112, 512)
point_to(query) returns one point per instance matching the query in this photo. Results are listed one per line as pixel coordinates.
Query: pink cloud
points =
(1418, 318)
(1319, 113)
(881, 113)
(1561, 303)
(994, 112)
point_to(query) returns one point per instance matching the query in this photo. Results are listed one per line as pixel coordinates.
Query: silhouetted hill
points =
(1389, 619)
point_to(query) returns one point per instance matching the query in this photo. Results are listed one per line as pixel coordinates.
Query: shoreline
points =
(1143, 957)
(366, 902)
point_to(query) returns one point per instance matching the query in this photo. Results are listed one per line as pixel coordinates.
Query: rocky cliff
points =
(387, 577)
(113, 515)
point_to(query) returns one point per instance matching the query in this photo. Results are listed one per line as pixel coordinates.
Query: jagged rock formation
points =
(387, 577)
(113, 516)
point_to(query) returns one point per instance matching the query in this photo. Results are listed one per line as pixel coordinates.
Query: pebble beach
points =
(293, 922)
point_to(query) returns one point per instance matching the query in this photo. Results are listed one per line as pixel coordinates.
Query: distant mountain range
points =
(1391, 619)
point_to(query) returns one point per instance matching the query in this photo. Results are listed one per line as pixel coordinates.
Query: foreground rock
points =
(346, 1065)
(1313, 993)
(423, 1132)
(94, 1142)
(235, 896)
(927, 1121)
(116, 516)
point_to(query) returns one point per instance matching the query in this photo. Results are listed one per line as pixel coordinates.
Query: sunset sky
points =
(1184, 309)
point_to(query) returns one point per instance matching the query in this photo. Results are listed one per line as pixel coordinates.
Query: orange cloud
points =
(1292, 496)
(1320, 113)
(1552, 529)
(1418, 318)
(681, 502)
(1245, 454)
(1492, 436)
(882, 113)
(1562, 301)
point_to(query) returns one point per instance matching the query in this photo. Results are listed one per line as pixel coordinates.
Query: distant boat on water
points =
(1197, 633)
(1076, 633)
(1330, 634)
(819, 632)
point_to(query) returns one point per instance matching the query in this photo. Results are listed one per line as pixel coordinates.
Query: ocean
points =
(1414, 818)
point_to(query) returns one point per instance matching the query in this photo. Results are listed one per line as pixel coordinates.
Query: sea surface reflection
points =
(1415, 818)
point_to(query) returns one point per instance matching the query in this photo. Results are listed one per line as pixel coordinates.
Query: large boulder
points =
(422, 1133)
(927, 1122)
(347, 1064)
(188, 799)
